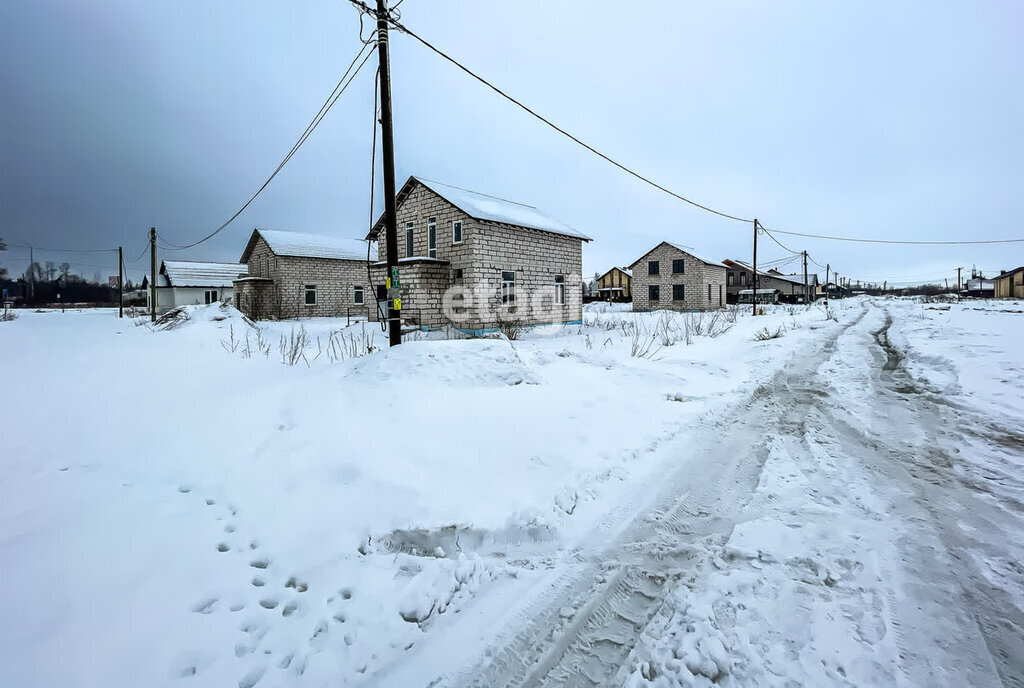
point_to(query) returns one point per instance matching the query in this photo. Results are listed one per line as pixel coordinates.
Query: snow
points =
(706, 261)
(302, 245)
(493, 209)
(190, 273)
(191, 507)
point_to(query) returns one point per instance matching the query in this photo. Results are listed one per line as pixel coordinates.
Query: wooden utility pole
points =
(120, 283)
(827, 267)
(958, 280)
(753, 276)
(31, 274)
(388, 154)
(152, 274)
(807, 293)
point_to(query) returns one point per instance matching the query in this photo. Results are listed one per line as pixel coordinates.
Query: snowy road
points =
(846, 525)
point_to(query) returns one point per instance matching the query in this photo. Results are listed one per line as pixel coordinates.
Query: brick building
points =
(298, 275)
(475, 261)
(674, 278)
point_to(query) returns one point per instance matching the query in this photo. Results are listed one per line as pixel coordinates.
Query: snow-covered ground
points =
(180, 507)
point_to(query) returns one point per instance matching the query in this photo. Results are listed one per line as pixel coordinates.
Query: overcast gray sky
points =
(870, 119)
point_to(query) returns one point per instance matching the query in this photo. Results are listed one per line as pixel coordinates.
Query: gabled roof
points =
(302, 245)
(485, 209)
(626, 271)
(684, 249)
(1008, 273)
(193, 273)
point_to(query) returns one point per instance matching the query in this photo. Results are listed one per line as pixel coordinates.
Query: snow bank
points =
(236, 521)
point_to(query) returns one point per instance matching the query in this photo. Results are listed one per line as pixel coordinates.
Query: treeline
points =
(53, 283)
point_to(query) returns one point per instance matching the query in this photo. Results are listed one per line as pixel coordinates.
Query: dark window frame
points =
(678, 292)
(307, 290)
(653, 267)
(654, 293)
(679, 263)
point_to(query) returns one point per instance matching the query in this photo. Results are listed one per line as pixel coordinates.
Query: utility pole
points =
(152, 274)
(958, 280)
(388, 154)
(827, 266)
(885, 284)
(753, 277)
(31, 274)
(120, 283)
(807, 293)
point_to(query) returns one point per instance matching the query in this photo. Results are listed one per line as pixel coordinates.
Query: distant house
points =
(979, 287)
(1009, 284)
(675, 278)
(476, 261)
(299, 275)
(190, 282)
(739, 276)
(615, 285)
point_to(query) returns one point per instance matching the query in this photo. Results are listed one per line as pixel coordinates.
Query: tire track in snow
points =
(582, 631)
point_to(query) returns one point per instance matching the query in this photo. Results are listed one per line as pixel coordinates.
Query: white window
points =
(457, 232)
(210, 295)
(310, 295)
(508, 286)
(408, 239)
(432, 237)
(357, 295)
(559, 290)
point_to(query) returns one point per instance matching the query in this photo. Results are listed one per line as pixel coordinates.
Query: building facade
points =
(1009, 284)
(192, 283)
(615, 285)
(474, 261)
(674, 278)
(299, 275)
(739, 276)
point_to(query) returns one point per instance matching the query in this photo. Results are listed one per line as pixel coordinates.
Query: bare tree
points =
(34, 272)
(65, 270)
(50, 271)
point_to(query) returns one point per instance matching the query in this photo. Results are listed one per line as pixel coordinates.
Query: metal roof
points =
(193, 273)
(684, 249)
(303, 245)
(490, 209)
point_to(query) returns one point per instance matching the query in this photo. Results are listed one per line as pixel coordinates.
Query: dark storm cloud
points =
(876, 119)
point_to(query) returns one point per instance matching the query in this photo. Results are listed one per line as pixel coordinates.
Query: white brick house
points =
(299, 275)
(675, 278)
(474, 261)
(192, 282)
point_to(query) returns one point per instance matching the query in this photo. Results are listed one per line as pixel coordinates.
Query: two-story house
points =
(474, 261)
(675, 278)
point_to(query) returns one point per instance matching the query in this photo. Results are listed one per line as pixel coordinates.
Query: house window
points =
(457, 232)
(731, 277)
(457, 276)
(357, 295)
(653, 292)
(678, 266)
(559, 290)
(310, 295)
(508, 286)
(678, 292)
(210, 295)
(652, 267)
(432, 237)
(743, 279)
(408, 239)
(709, 293)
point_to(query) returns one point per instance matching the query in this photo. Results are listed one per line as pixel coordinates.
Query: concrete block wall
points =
(335, 282)
(486, 250)
(696, 278)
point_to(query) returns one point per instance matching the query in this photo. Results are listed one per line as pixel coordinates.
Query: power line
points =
(64, 250)
(402, 28)
(896, 241)
(314, 123)
(787, 248)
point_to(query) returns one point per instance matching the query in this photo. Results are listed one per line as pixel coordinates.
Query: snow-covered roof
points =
(491, 209)
(193, 273)
(685, 249)
(303, 245)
